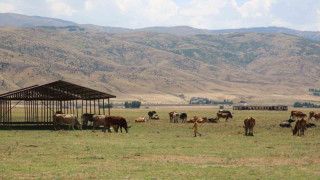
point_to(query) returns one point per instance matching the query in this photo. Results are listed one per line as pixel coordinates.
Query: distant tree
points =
(133, 104)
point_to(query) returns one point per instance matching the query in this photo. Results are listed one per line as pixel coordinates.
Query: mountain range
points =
(155, 65)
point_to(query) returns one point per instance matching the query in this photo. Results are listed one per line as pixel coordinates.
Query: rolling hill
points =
(11, 19)
(157, 67)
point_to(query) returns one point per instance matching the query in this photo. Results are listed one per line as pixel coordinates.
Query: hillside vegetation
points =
(156, 68)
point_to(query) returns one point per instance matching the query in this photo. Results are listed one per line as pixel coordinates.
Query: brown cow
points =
(298, 114)
(317, 116)
(98, 120)
(66, 119)
(248, 125)
(224, 115)
(108, 121)
(299, 127)
(171, 116)
(312, 114)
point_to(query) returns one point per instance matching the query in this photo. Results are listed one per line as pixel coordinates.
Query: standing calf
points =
(248, 125)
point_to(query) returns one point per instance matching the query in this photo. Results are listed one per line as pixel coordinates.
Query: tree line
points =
(306, 105)
(133, 104)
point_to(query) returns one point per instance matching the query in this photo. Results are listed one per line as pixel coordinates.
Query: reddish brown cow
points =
(299, 127)
(224, 115)
(248, 125)
(317, 116)
(298, 114)
(108, 121)
(312, 114)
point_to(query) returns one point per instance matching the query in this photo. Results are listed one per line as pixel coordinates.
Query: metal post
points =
(109, 106)
(99, 105)
(94, 106)
(86, 106)
(104, 112)
(77, 109)
(90, 107)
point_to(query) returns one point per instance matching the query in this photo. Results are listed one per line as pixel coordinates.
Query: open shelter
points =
(41, 102)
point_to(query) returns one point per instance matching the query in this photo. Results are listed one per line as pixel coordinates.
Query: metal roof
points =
(58, 90)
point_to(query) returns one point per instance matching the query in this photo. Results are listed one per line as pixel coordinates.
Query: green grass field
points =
(160, 150)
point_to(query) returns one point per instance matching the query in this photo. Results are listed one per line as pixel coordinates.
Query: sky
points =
(205, 14)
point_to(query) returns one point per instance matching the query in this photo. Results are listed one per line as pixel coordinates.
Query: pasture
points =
(160, 150)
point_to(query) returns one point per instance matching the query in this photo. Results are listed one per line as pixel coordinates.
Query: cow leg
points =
(251, 132)
(226, 119)
(246, 129)
(125, 128)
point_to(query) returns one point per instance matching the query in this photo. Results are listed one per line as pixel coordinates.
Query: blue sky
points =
(207, 14)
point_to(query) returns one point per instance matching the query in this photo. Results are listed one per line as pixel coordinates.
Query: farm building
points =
(40, 102)
(268, 108)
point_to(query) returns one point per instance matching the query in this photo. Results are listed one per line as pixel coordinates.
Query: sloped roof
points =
(58, 90)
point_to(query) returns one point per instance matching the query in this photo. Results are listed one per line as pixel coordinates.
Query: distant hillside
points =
(158, 68)
(312, 35)
(11, 19)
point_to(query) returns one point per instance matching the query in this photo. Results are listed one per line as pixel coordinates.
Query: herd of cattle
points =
(117, 122)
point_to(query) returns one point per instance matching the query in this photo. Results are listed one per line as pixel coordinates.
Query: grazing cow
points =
(297, 114)
(141, 119)
(183, 117)
(155, 116)
(108, 121)
(287, 123)
(312, 114)
(176, 117)
(151, 113)
(66, 119)
(98, 120)
(171, 116)
(213, 120)
(316, 116)
(224, 115)
(248, 125)
(299, 127)
(224, 111)
(85, 119)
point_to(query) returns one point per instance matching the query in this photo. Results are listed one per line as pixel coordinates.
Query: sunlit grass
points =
(158, 149)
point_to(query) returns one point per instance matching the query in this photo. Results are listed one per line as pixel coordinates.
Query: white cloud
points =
(88, 5)
(60, 8)
(254, 8)
(6, 7)
(126, 5)
(161, 10)
(318, 12)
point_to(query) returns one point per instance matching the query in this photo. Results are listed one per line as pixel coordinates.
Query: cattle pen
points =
(262, 108)
(41, 102)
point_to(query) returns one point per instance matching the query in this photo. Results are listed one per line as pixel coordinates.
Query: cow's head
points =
(294, 131)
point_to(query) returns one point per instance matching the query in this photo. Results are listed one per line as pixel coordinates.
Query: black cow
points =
(151, 113)
(287, 123)
(183, 117)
